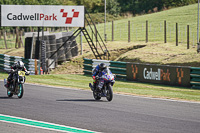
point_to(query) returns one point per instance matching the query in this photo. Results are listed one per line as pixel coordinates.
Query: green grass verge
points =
(125, 87)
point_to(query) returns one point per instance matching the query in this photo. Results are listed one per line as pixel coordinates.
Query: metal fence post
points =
(129, 32)
(176, 34)
(146, 31)
(188, 37)
(112, 31)
(165, 32)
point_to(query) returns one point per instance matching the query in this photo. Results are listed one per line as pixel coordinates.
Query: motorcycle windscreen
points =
(107, 74)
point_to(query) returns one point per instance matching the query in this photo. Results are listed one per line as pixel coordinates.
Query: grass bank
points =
(186, 15)
(124, 87)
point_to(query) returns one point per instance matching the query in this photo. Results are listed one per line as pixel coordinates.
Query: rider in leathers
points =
(96, 71)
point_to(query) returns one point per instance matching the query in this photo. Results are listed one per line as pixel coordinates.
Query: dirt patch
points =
(74, 66)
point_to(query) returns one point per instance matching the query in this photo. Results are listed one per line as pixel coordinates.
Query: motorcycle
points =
(16, 86)
(104, 84)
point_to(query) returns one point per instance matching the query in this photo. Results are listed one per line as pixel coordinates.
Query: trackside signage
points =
(171, 75)
(42, 15)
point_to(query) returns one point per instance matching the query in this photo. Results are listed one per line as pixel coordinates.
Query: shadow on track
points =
(6, 97)
(80, 100)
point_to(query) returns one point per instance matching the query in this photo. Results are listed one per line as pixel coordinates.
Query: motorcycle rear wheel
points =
(109, 95)
(96, 97)
(20, 91)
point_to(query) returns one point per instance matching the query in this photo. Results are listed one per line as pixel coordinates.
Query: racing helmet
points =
(102, 66)
(20, 65)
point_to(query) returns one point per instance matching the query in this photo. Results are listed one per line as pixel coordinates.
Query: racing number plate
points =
(21, 73)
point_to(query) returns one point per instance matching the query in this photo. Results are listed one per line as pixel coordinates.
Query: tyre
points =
(9, 93)
(109, 95)
(20, 91)
(52, 37)
(96, 97)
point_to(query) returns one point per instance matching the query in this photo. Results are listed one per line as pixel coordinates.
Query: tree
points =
(89, 4)
(113, 7)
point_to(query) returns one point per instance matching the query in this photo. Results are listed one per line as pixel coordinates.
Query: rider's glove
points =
(93, 77)
(27, 72)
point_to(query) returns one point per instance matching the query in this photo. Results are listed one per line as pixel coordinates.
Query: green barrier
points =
(87, 72)
(88, 61)
(195, 77)
(117, 68)
(2, 61)
(118, 71)
(87, 67)
(7, 61)
(117, 64)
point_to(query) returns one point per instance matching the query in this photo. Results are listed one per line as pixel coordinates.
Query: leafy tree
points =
(128, 5)
(113, 7)
(89, 4)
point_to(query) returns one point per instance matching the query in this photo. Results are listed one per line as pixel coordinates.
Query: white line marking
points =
(42, 122)
(34, 126)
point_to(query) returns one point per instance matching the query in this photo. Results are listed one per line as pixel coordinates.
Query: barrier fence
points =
(31, 65)
(131, 31)
(118, 68)
(160, 74)
(195, 77)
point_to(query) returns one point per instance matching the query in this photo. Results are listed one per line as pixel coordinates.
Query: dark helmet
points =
(102, 66)
(20, 65)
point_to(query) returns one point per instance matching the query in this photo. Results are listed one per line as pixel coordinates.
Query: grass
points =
(13, 52)
(184, 16)
(161, 53)
(123, 87)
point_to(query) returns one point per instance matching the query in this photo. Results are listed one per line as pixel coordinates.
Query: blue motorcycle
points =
(104, 83)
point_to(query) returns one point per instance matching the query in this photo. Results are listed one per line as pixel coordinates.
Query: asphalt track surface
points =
(77, 108)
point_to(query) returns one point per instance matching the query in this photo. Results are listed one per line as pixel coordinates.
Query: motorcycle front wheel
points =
(96, 96)
(109, 94)
(9, 93)
(20, 91)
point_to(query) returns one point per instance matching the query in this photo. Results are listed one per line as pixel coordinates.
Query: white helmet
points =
(20, 64)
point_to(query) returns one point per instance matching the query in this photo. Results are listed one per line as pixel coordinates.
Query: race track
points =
(77, 108)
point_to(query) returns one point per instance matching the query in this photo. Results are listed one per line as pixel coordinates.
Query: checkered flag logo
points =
(69, 19)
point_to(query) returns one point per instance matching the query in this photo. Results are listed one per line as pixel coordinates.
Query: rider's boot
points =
(94, 85)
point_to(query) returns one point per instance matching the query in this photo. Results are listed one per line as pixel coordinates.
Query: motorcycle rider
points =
(99, 68)
(18, 65)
